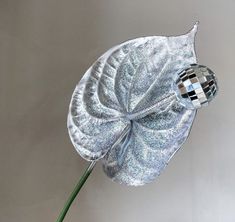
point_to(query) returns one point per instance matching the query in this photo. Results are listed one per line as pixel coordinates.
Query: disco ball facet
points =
(197, 85)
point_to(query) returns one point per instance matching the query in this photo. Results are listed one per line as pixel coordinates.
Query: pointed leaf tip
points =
(193, 31)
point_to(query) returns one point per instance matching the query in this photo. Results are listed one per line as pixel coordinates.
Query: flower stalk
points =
(76, 190)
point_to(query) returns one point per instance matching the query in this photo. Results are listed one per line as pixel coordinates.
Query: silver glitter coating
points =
(125, 110)
(197, 85)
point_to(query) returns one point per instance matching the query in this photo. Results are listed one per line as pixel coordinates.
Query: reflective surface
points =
(197, 86)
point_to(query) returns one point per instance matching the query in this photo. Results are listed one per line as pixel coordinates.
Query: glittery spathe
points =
(126, 111)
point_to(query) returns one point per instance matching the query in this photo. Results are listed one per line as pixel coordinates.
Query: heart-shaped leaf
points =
(125, 111)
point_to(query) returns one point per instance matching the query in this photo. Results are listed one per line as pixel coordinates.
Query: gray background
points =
(45, 47)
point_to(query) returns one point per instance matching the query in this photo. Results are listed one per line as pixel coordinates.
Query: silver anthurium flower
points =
(135, 106)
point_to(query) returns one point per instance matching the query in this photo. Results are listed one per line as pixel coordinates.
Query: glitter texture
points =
(125, 110)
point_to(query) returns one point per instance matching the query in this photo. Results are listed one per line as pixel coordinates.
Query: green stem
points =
(76, 191)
